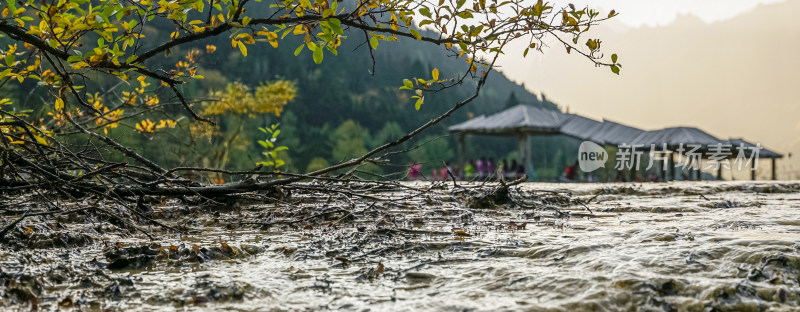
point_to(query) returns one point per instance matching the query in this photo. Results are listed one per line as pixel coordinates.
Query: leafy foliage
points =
(270, 148)
(238, 99)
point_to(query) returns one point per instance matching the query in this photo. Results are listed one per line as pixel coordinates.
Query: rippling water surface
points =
(731, 246)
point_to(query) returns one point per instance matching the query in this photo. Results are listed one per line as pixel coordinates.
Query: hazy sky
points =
(727, 67)
(636, 13)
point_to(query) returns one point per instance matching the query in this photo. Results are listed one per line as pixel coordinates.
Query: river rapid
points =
(679, 246)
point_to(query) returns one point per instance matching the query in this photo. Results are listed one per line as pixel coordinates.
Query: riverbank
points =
(691, 246)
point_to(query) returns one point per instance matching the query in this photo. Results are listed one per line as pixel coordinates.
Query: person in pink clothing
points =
(480, 165)
(414, 172)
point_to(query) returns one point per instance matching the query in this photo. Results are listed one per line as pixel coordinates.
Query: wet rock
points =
(485, 199)
(665, 238)
(419, 277)
(252, 249)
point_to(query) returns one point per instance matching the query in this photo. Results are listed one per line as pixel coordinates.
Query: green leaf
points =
(425, 12)
(373, 42)
(524, 54)
(415, 34)
(318, 55)
(246, 20)
(615, 69)
(332, 49)
(74, 58)
(336, 25)
(614, 58)
(420, 100)
(465, 15)
(407, 85)
(299, 49)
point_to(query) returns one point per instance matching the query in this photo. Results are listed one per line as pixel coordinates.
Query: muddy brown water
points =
(691, 246)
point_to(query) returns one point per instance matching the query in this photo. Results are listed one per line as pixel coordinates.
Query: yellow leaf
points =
(299, 30)
(59, 104)
(79, 65)
(248, 39)
(41, 140)
(273, 39)
(435, 74)
(242, 48)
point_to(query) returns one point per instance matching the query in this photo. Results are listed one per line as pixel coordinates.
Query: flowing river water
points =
(685, 246)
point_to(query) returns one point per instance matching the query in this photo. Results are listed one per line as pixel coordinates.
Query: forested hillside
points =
(343, 107)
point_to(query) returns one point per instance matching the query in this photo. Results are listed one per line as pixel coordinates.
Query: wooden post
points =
(753, 171)
(525, 156)
(696, 172)
(719, 173)
(461, 152)
(672, 166)
(774, 177)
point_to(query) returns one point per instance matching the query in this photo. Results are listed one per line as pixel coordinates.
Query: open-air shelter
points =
(679, 140)
(523, 121)
(763, 152)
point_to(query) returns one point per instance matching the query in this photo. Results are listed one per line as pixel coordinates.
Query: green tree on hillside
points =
(350, 140)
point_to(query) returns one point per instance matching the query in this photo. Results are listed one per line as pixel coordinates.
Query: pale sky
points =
(637, 13)
(727, 67)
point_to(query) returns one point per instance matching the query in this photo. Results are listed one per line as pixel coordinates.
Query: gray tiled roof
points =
(613, 133)
(762, 153)
(676, 136)
(534, 120)
(517, 119)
